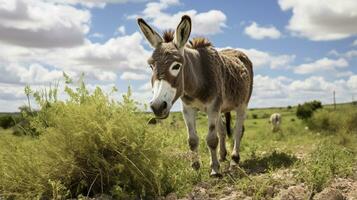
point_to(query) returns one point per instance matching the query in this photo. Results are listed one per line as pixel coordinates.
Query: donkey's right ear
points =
(152, 36)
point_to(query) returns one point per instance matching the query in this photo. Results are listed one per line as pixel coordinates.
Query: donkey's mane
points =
(195, 43)
(200, 42)
(168, 35)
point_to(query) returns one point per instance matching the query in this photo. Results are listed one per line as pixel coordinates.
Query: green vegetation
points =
(306, 110)
(90, 144)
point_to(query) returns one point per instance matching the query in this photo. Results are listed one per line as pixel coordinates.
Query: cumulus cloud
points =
(321, 65)
(262, 58)
(260, 32)
(33, 74)
(282, 91)
(352, 82)
(203, 23)
(322, 20)
(40, 24)
(133, 76)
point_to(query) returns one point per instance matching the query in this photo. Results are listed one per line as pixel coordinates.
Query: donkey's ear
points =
(183, 31)
(152, 36)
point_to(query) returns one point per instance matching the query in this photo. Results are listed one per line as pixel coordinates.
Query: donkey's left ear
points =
(183, 31)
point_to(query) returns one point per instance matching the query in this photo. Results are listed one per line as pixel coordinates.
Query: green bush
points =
(306, 110)
(86, 145)
(332, 121)
(8, 121)
(255, 116)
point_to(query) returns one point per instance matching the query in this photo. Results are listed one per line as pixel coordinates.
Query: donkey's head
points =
(166, 63)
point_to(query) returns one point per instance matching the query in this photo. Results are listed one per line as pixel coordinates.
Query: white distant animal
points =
(275, 120)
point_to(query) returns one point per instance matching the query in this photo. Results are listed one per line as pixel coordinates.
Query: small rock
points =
(329, 194)
(171, 196)
(297, 192)
(352, 194)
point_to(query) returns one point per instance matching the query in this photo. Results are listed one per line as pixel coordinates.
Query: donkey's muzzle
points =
(160, 109)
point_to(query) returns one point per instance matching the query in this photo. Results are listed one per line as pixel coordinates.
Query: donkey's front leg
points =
(189, 115)
(212, 139)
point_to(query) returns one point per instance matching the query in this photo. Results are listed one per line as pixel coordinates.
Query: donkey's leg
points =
(222, 132)
(212, 138)
(189, 115)
(237, 134)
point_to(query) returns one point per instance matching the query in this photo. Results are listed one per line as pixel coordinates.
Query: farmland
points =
(90, 145)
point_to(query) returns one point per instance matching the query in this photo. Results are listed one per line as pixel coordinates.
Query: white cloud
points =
(42, 24)
(146, 87)
(321, 20)
(204, 23)
(321, 65)
(282, 91)
(133, 76)
(354, 43)
(33, 74)
(351, 54)
(259, 32)
(96, 35)
(262, 58)
(121, 30)
(352, 82)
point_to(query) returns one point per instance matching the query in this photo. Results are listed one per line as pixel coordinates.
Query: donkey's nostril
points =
(164, 105)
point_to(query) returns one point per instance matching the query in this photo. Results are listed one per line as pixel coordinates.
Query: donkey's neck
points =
(192, 73)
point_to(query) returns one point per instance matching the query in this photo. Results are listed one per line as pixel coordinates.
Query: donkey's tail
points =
(228, 117)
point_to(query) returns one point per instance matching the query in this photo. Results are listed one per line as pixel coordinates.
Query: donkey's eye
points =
(176, 67)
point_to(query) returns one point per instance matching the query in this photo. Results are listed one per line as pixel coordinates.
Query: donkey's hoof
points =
(196, 165)
(215, 174)
(236, 158)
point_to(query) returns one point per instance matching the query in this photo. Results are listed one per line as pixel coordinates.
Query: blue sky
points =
(301, 50)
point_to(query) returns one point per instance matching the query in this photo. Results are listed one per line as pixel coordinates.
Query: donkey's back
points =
(237, 72)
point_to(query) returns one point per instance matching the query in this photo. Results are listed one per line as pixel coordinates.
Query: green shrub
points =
(289, 107)
(254, 116)
(265, 115)
(332, 121)
(306, 110)
(8, 121)
(86, 145)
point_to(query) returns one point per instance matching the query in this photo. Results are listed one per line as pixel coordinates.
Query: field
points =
(89, 146)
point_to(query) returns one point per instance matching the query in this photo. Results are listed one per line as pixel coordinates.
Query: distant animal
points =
(205, 79)
(275, 120)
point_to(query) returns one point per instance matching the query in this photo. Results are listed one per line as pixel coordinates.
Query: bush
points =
(86, 145)
(289, 107)
(8, 121)
(306, 110)
(255, 116)
(331, 121)
(265, 115)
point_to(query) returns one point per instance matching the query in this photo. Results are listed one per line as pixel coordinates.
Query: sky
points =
(301, 49)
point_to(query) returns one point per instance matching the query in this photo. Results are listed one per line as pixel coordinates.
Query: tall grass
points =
(86, 145)
(343, 120)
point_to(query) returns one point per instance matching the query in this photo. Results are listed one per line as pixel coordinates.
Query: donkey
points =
(205, 80)
(275, 120)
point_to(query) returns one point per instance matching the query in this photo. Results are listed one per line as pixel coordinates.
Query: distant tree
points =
(289, 107)
(306, 110)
